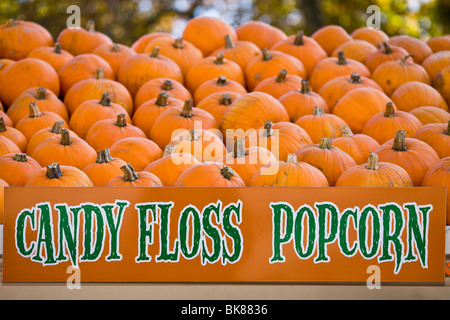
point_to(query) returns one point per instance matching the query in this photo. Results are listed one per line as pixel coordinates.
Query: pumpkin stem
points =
(104, 156)
(229, 43)
(194, 135)
(268, 131)
(347, 131)
(221, 81)
(390, 110)
(178, 43)
(162, 99)
(318, 111)
(306, 89)
(90, 26)
(155, 52)
(387, 48)
(400, 141)
(341, 58)
(219, 59)
(292, 158)
(10, 22)
(372, 162)
(2, 125)
(57, 127)
(404, 60)
(167, 85)
(34, 110)
(54, 171)
(447, 131)
(298, 40)
(355, 78)
(227, 173)
(225, 100)
(325, 143)
(65, 137)
(99, 74)
(41, 93)
(168, 149)
(20, 157)
(105, 100)
(121, 120)
(266, 56)
(115, 48)
(57, 48)
(129, 174)
(187, 108)
(238, 148)
(281, 77)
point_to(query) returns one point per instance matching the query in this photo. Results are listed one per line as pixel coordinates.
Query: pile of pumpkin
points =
(359, 109)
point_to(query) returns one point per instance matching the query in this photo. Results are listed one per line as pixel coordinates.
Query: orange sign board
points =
(224, 234)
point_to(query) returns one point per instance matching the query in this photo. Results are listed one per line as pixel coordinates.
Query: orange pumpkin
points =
(55, 175)
(279, 85)
(281, 138)
(357, 50)
(302, 102)
(413, 155)
(247, 161)
(151, 90)
(37, 120)
(436, 135)
(428, 115)
(392, 74)
(19, 38)
(104, 168)
(91, 111)
(171, 166)
(374, 36)
(139, 152)
(442, 83)
(320, 125)
(16, 168)
(209, 174)
(3, 184)
(330, 37)
(93, 88)
(24, 74)
(240, 51)
(439, 176)
(67, 150)
(140, 68)
(146, 114)
(331, 160)
(104, 133)
(14, 135)
(131, 178)
(182, 52)
(435, 62)
(82, 67)
(418, 48)
(203, 144)
(177, 119)
(358, 146)
(207, 33)
(220, 84)
(439, 43)
(384, 53)
(54, 56)
(7, 146)
(414, 94)
(44, 99)
(142, 42)
(374, 174)
(80, 41)
(269, 64)
(41, 135)
(383, 125)
(359, 105)
(217, 103)
(115, 54)
(304, 48)
(289, 173)
(260, 33)
(333, 67)
(336, 88)
(211, 68)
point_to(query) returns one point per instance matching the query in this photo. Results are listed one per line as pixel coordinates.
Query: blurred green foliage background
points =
(126, 20)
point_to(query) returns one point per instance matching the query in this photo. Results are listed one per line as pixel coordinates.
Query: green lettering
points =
(418, 232)
(164, 232)
(92, 253)
(323, 239)
(45, 235)
(187, 252)
(113, 228)
(145, 230)
(363, 232)
(68, 233)
(343, 232)
(233, 232)
(21, 231)
(212, 232)
(298, 231)
(398, 224)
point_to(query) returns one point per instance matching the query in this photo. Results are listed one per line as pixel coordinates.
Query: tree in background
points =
(126, 20)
